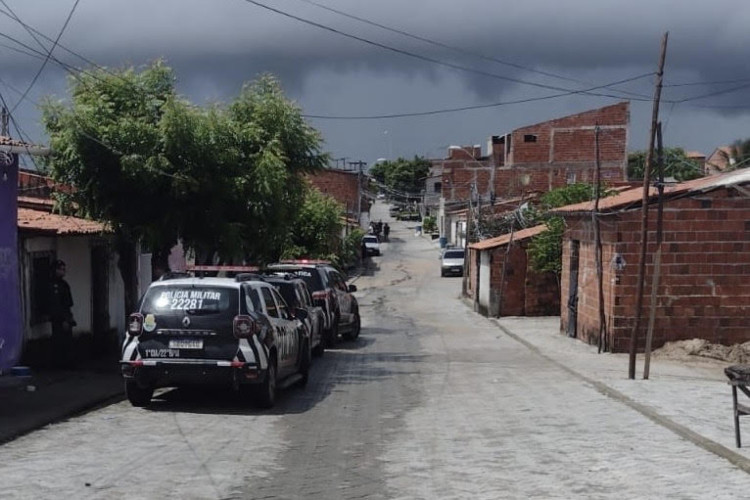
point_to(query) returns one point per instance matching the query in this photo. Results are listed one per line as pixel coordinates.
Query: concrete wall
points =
(705, 274)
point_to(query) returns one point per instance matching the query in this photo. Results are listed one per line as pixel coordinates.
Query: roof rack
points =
(228, 269)
(173, 275)
(304, 261)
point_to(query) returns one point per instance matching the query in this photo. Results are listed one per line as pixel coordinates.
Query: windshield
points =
(371, 239)
(456, 254)
(179, 300)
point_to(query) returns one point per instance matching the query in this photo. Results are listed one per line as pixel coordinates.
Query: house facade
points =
(344, 187)
(703, 286)
(93, 276)
(502, 283)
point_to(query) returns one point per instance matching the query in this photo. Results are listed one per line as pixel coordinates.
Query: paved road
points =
(432, 401)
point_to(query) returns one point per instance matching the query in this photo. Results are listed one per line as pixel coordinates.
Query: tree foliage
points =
(545, 249)
(402, 175)
(317, 228)
(225, 179)
(676, 164)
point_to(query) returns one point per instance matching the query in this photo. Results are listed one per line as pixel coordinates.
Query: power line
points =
(466, 108)
(458, 50)
(49, 54)
(426, 58)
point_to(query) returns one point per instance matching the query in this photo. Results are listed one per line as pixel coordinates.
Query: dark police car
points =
(232, 331)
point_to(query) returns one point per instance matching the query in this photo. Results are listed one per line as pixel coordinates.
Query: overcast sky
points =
(488, 52)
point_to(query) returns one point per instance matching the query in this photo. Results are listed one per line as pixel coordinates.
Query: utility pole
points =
(4, 124)
(657, 256)
(359, 164)
(644, 216)
(598, 237)
(467, 231)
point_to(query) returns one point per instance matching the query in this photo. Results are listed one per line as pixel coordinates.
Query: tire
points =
(356, 328)
(266, 391)
(319, 349)
(304, 368)
(332, 335)
(137, 395)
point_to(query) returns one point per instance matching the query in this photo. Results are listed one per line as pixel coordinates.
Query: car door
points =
(288, 337)
(344, 298)
(272, 310)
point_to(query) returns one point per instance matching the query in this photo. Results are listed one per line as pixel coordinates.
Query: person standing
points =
(60, 315)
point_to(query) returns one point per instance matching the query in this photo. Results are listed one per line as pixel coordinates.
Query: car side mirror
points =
(300, 314)
(352, 288)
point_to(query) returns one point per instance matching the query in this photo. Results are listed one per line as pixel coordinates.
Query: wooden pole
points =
(598, 237)
(644, 209)
(657, 256)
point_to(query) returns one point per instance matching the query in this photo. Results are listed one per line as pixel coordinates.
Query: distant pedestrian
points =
(60, 315)
(386, 231)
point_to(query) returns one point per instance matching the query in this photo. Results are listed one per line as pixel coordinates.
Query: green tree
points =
(545, 249)
(402, 175)
(317, 228)
(676, 164)
(224, 180)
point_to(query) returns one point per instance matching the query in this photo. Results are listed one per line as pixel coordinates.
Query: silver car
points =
(452, 262)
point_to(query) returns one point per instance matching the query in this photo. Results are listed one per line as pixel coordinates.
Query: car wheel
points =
(267, 389)
(356, 327)
(319, 349)
(332, 335)
(304, 364)
(137, 395)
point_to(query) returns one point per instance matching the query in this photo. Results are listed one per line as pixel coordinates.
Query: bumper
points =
(373, 251)
(452, 271)
(169, 372)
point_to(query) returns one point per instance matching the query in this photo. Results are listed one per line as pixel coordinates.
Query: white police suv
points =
(232, 331)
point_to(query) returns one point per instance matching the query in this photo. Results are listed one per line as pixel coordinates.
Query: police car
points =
(329, 291)
(197, 330)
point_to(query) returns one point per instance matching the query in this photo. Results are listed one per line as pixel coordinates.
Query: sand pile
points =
(738, 353)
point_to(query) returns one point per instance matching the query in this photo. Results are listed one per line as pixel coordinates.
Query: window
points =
(571, 179)
(41, 263)
(252, 299)
(438, 187)
(529, 138)
(283, 309)
(270, 304)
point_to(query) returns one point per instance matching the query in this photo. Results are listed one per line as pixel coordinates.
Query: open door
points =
(575, 251)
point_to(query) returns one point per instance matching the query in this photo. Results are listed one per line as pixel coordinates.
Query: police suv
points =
(231, 331)
(329, 291)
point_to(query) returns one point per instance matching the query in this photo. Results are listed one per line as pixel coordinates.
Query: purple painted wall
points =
(11, 333)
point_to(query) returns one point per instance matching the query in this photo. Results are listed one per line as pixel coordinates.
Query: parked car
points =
(452, 262)
(238, 332)
(295, 292)
(329, 291)
(372, 244)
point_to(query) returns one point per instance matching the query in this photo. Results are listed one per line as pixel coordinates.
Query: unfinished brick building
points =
(704, 283)
(502, 283)
(343, 186)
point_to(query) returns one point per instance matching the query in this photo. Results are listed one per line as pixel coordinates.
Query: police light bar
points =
(229, 269)
(304, 261)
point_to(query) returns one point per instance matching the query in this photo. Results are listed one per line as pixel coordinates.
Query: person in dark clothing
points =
(386, 231)
(60, 315)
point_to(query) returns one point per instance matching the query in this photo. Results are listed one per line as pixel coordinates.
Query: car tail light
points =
(135, 324)
(244, 327)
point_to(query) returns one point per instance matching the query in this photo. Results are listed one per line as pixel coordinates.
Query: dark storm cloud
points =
(215, 45)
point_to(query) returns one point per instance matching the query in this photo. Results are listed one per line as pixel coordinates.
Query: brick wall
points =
(341, 185)
(524, 292)
(705, 273)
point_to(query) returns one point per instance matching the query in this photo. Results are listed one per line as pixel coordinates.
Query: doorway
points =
(575, 250)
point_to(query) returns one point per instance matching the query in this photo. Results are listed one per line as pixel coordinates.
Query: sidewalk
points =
(689, 396)
(29, 403)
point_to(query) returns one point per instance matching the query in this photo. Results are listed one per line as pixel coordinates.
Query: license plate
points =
(185, 344)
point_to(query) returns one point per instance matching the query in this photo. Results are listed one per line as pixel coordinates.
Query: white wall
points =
(484, 279)
(76, 252)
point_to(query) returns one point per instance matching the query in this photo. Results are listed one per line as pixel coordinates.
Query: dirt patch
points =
(737, 353)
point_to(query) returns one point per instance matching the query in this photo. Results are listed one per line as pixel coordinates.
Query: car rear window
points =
(371, 239)
(454, 255)
(178, 300)
(311, 276)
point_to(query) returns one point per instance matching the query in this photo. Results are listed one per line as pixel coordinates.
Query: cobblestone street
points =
(432, 401)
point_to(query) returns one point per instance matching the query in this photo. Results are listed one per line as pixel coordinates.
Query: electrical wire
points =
(455, 49)
(49, 54)
(426, 58)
